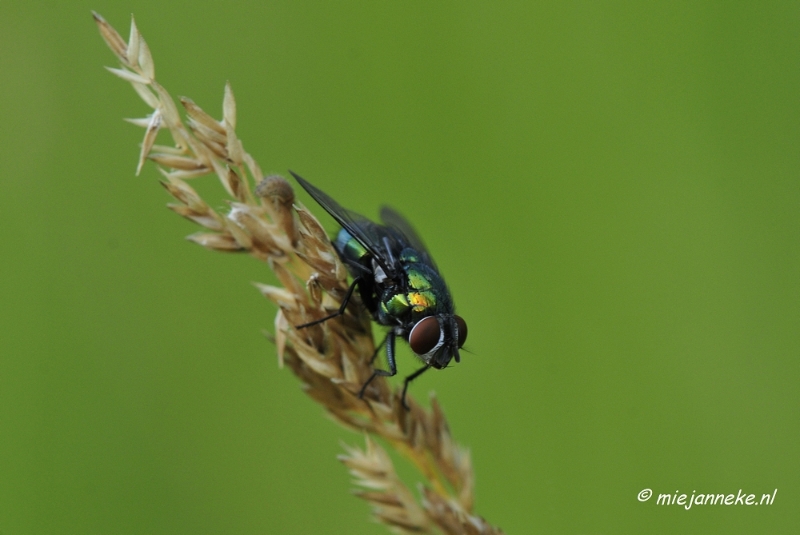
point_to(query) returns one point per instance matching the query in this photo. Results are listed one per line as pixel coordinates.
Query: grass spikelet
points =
(332, 360)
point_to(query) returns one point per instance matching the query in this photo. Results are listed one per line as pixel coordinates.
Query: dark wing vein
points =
(368, 233)
(396, 221)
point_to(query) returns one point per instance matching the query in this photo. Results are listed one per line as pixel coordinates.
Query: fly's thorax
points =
(426, 291)
(423, 294)
(409, 256)
(394, 305)
(405, 307)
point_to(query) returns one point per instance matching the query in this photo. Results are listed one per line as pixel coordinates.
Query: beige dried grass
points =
(331, 359)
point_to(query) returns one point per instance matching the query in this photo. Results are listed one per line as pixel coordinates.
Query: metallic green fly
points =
(399, 284)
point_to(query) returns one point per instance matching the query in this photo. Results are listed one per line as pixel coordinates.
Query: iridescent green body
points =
(423, 294)
(399, 284)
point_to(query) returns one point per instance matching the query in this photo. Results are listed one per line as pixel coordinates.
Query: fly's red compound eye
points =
(462, 330)
(425, 335)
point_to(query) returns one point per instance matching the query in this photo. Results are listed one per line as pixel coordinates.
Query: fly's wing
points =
(369, 234)
(394, 220)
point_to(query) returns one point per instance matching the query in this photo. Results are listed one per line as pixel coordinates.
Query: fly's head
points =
(437, 339)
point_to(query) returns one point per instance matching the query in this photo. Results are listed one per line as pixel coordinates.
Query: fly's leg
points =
(339, 312)
(389, 340)
(409, 379)
(377, 350)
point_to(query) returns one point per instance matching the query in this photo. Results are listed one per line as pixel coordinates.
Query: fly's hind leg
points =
(339, 312)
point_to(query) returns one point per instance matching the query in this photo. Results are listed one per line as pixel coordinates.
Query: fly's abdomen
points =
(349, 248)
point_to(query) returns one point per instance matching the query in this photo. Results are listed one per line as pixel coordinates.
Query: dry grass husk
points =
(331, 359)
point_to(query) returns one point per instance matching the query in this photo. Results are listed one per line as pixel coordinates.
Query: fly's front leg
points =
(409, 379)
(389, 359)
(339, 312)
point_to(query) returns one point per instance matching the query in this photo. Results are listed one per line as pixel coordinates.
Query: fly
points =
(399, 284)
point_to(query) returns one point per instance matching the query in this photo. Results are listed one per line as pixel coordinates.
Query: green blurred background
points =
(611, 190)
